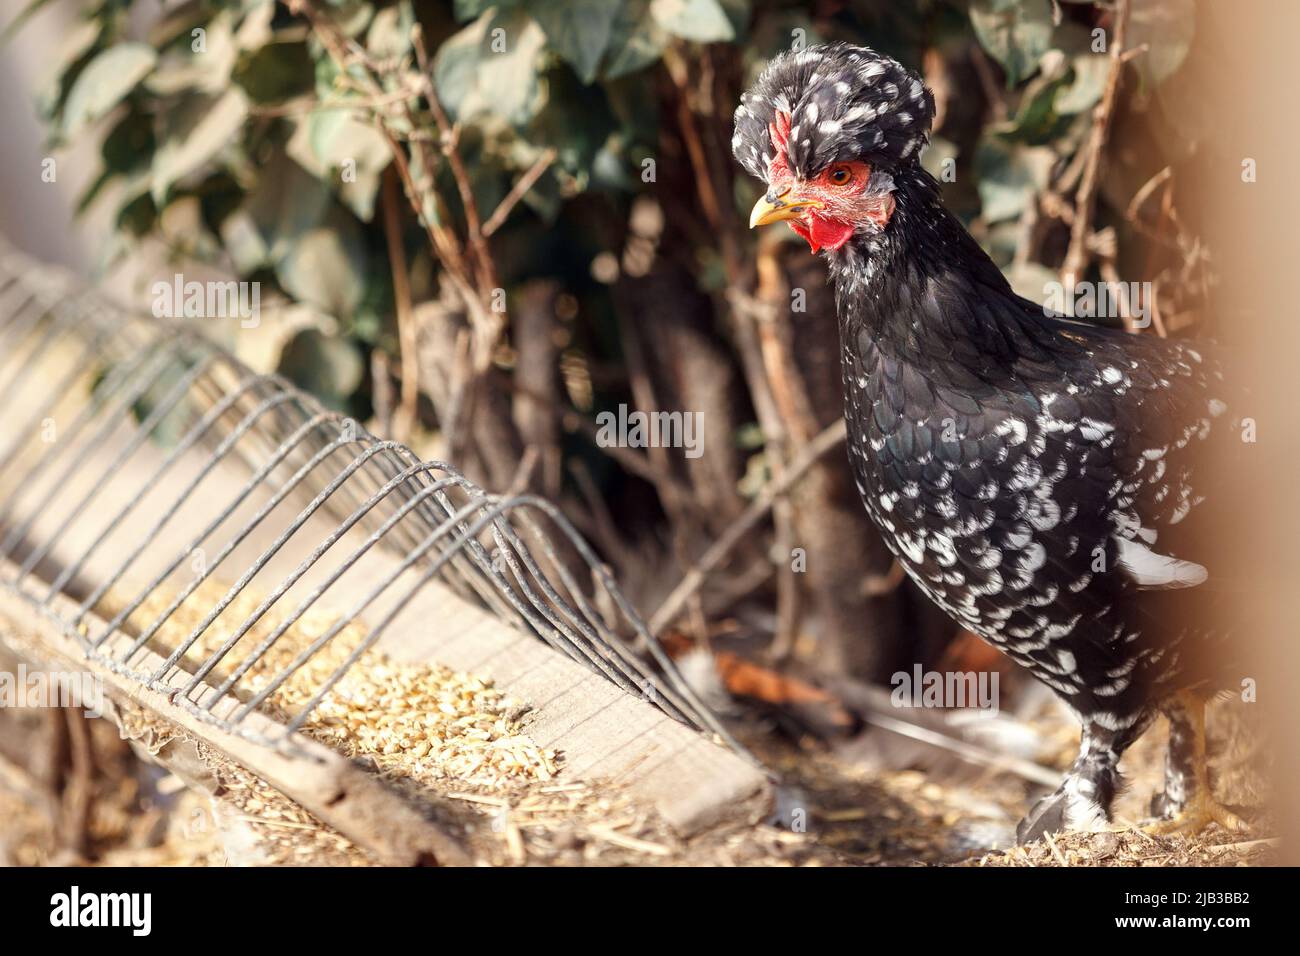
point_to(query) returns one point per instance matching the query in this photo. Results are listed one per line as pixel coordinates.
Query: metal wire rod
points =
(215, 459)
(222, 516)
(28, 480)
(173, 397)
(518, 556)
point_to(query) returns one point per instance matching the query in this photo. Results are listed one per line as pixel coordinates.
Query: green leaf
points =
(326, 266)
(738, 13)
(75, 50)
(278, 71)
(1036, 121)
(129, 145)
(490, 69)
(195, 133)
(183, 68)
(352, 16)
(335, 137)
(701, 20)
(579, 30)
(1014, 32)
(329, 367)
(105, 81)
(286, 202)
(254, 29)
(92, 193)
(182, 229)
(1009, 175)
(1084, 91)
(636, 40)
(466, 10)
(939, 157)
(172, 424)
(576, 122)
(137, 215)
(390, 32)
(350, 155)
(72, 48)
(1167, 27)
(175, 26)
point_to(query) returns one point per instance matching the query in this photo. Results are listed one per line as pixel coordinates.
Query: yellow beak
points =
(771, 208)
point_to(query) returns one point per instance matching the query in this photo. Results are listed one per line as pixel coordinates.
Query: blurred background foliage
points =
(573, 238)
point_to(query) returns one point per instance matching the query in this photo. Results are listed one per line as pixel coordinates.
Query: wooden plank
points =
(348, 798)
(602, 732)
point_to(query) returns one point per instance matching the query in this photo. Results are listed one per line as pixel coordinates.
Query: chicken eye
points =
(840, 175)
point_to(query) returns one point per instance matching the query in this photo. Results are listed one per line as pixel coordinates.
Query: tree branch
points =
(1079, 253)
(831, 437)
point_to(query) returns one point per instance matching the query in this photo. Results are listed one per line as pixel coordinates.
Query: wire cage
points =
(158, 499)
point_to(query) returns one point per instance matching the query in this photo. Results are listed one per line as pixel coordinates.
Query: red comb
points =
(779, 131)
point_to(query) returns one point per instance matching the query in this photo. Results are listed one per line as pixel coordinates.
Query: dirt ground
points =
(831, 811)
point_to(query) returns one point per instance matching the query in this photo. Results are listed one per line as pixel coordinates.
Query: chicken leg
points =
(1188, 804)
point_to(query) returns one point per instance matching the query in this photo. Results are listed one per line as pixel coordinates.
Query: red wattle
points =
(823, 233)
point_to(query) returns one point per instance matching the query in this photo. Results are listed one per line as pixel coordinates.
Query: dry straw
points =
(417, 720)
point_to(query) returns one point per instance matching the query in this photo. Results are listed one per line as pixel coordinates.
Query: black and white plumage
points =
(1032, 474)
(844, 102)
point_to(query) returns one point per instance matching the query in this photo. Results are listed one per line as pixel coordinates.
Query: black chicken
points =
(1031, 473)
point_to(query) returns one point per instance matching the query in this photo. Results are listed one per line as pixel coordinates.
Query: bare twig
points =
(308, 104)
(788, 386)
(709, 204)
(935, 69)
(449, 136)
(404, 418)
(634, 462)
(445, 245)
(475, 283)
(536, 402)
(669, 491)
(988, 83)
(524, 473)
(602, 521)
(873, 703)
(517, 192)
(381, 393)
(1110, 275)
(1079, 255)
(1051, 845)
(791, 395)
(878, 585)
(831, 437)
(78, 784)
(1248, 844)
(1142, 195)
